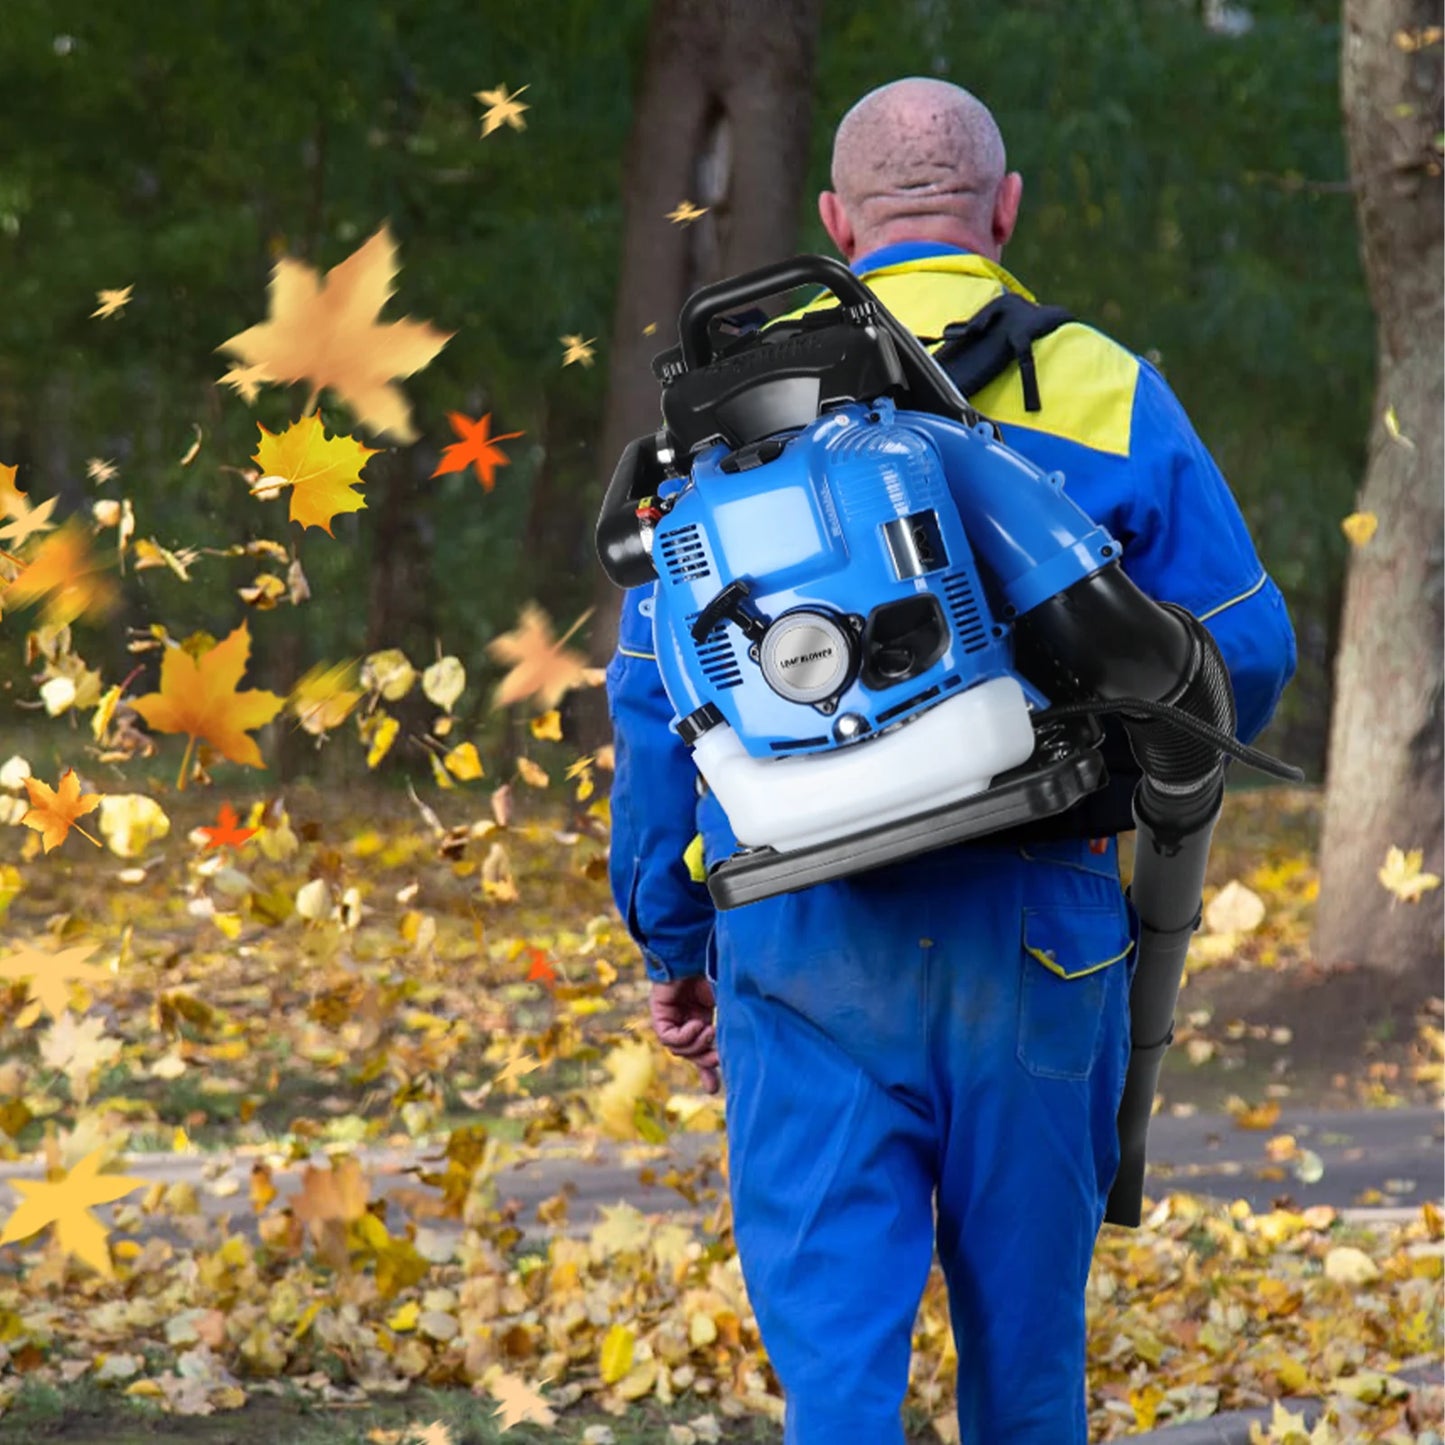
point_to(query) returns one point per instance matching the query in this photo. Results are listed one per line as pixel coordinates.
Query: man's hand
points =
(682, 1019)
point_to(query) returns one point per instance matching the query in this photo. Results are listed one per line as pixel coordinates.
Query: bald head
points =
(919, 159)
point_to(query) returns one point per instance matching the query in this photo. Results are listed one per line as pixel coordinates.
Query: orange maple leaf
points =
(540, 666)
(53, 811)
(541, 970)
(198, 696)
(320, 470)
(224, 833)
(325, 331)
(476, 448)
(329, 1201)
(62, 572)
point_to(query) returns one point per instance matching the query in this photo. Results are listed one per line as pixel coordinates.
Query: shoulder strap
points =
(1003, 332)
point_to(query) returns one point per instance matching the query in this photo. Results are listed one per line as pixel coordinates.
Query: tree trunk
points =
(1384, 779)
(722, 119)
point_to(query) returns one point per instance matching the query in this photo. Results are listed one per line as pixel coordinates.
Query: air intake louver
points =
(963, 609)
(684, 554)
(717, 657)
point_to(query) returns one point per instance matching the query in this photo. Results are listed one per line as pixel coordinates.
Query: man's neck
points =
(893, 253)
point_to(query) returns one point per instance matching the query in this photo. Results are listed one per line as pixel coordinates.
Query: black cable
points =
(1206, 732)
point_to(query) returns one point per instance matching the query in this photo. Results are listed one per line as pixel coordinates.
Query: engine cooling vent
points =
(963, 609)
(719, 661)
(684, 554)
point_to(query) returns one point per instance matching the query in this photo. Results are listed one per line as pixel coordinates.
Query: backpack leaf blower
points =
(883, 631)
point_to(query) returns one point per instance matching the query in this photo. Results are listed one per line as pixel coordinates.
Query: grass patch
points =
(87, 1414)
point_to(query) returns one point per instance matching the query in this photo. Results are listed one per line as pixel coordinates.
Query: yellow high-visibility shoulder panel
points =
(1086, 381)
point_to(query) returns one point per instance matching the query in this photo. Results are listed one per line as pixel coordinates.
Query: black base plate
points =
(1018, 796)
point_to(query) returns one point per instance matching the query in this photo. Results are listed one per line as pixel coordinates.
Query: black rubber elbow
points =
(1104, 639)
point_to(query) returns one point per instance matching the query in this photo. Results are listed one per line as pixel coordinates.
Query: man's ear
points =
(1006, 208)
(836, 223)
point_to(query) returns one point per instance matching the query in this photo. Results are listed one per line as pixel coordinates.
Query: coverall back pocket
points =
(1073, 958)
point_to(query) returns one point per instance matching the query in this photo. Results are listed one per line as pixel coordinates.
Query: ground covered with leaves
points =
(362, 971)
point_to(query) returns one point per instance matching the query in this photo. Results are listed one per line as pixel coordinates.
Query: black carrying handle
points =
(736, 291)
(929, 386)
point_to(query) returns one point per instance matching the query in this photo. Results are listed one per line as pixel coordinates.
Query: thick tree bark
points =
(1384, 780)
(722, 119)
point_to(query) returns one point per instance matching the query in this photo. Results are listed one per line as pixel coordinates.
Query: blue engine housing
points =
(861, 601)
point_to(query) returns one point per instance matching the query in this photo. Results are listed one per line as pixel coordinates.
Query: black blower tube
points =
(1109, 641)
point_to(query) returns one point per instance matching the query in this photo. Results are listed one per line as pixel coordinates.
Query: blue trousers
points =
(947, 1039)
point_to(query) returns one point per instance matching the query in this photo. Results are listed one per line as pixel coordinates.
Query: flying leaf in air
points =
(685, 212)
(246, 381)
(541, 970)
(547, 726)
(1359, 527)
(577, 349)
(65, 1203)
(325, 331)
(110, 303)
(476, 449)
(320, 470)
(503, 109)
(541, 667)
(329, 1201)
(63, 573)
(13, 502)
(77, 1047)
(1402, 875)
(53, 811)
(51, 975)
(99, 471)
(224, 833)
(28, 521)
(198, 696)
(444, 682)
(325, 697)
(520, 1403)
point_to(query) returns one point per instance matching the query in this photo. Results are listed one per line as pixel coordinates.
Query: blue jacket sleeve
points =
(654, 808)
(1185, 541)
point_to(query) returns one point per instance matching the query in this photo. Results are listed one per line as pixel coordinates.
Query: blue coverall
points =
(957, 1023)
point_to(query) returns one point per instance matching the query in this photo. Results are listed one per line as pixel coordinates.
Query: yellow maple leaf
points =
(520, 1403)
(65, 1203)
(541, 667)
(51, 975)
(684, 212)
(320, 470)
(111, 302)
(547, 726)
(12, 499)
(64, 575)
(198, 696)
(503, 109)
(578, 349)
(517, 1065)
(53, 811)
(99, 471)
(1359, 527)
(1402, 875)
(325, 332)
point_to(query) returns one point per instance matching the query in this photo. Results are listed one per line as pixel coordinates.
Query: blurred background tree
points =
(1186, 190)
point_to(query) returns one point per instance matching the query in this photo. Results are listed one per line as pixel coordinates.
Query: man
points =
(957, 1023)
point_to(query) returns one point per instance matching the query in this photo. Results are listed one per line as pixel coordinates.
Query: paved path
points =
(1400, 1153)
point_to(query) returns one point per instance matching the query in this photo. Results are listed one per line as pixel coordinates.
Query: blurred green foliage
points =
(1182, 191)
